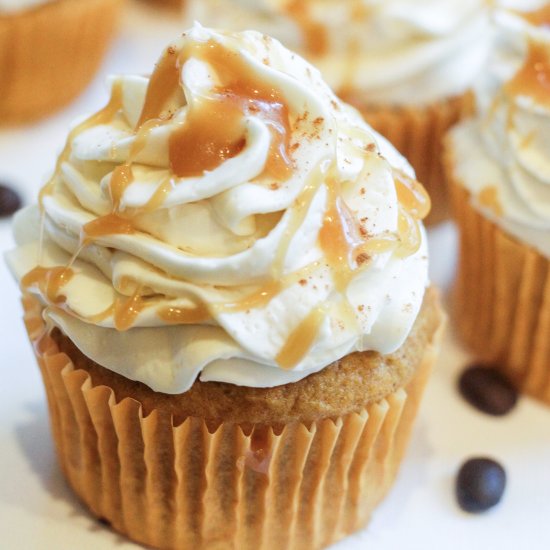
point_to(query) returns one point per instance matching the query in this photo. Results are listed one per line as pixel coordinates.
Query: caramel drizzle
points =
(212, 131)
(339, 237)
(184, 315)
(533, 79)
(124, 311)
(211, 134)
(539, 17)
(300, 340)
(315, 34)
(49, 280)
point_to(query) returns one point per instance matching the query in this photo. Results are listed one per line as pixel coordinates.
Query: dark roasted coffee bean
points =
(480, 484)
(487, 390)
(9, 201)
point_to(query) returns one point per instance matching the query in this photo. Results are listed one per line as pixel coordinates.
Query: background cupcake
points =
(501, 194)
(279, 257)
(406, 64)
(50, 51)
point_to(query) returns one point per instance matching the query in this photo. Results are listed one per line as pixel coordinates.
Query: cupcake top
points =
(392, 51)
(19, 5)
(503, 155)
(228, 216)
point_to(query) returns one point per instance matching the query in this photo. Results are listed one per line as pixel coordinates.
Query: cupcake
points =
(407, 65)
(499, 164)
(229, 303)
(50, 51)
(172, 4)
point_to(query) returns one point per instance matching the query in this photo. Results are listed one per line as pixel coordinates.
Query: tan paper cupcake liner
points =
(50, 53)
(199, 486)
(417, 132)
(172, 4)
(502, 298)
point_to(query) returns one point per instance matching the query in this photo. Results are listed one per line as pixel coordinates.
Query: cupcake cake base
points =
(205, 482)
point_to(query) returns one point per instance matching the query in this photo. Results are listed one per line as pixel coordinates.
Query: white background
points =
(38, 511)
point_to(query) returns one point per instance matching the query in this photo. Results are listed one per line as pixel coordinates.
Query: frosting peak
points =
(227, 215)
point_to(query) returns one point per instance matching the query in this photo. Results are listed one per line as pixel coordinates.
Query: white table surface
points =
(38, 511)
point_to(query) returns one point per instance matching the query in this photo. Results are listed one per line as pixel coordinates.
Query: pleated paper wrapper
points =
(502, 298)
(203, 487)
(417, 132)
(49, 54)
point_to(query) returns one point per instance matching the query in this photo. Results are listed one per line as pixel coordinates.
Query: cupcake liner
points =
(50, 53)
(417, 132)
(172, 4)
(198, 485)
(502, 298)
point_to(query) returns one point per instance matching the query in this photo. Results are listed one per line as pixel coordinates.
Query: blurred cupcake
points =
(406, 64)
(229, 303)
(173, 4)
(50, 51)
(499, 162)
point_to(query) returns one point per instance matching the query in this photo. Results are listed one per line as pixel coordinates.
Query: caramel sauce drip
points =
(184, 316)
(300, 340)
(121, 178)
(213, 132)
(112, 224)
(488, 197)
(315, 34)
(158, 197)
(539, 18)
(164, 81)
(126, 310)
(412, 195)
(258, 457)
(50, 281)
(257, 299)
(533, 79)
(339, 237)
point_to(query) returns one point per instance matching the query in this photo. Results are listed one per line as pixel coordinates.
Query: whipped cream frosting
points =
(393, 51)
(502, 155)
(19, 5)
(226, 217)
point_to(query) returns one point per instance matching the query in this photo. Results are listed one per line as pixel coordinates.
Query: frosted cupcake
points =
(229, 304)
(406, 64)
(499, 161)
(50, 51)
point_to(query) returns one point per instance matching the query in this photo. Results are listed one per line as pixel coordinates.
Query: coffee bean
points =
(10, 201)
(480, 484)
(488, 390)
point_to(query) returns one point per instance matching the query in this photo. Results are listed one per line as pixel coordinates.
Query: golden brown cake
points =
(229, 302)
(50, 52)
(498, 163)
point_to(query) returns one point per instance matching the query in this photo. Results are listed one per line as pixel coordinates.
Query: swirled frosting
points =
(227, 216)
(391, 51)
(503, 154)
